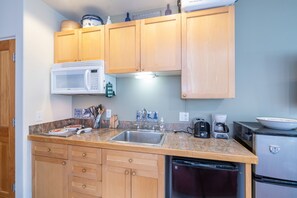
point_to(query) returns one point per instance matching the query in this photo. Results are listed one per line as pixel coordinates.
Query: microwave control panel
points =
(94, 79)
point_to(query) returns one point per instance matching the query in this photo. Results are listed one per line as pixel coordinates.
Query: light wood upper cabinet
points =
(122, 47)
(161, 43)
(79, 45)
(91, 43)
(66, 46)
(144, 45)
(208, 68)
(132, 175)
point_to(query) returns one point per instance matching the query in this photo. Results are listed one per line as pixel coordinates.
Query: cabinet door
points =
(91, 43)
(144, 184)
(66, 46)
(208, 68)
(50, 177)
(161, 43)
(122, 47)
(116, 182)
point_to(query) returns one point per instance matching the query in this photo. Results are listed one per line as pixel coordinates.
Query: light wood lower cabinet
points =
(131, 174)
(50, 177)
(50, 170)
(85, 172)
(62, 171)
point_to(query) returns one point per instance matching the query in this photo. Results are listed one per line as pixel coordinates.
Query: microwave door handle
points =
(87, 79)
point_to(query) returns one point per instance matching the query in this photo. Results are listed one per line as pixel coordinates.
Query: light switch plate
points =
(108, 113)
(184, 116)
(38, 116)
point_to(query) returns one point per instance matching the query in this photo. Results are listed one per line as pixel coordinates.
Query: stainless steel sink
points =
(145, 137)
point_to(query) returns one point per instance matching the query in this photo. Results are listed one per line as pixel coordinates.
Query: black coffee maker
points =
(201, 128)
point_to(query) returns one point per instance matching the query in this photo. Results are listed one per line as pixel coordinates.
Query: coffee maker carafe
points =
(219, 126)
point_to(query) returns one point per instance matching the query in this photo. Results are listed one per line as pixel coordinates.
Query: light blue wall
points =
(266, 73)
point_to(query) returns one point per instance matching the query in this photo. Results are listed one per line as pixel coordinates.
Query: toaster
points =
(201, 129)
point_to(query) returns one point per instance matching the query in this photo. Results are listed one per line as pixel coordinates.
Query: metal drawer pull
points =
(63, 163)
(127, 172)
(133, 173)
(49, 149)
(84, 155)
(84, 170)
(130, 160)
(84, 186)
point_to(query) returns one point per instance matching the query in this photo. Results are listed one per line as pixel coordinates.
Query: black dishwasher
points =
(196, 178)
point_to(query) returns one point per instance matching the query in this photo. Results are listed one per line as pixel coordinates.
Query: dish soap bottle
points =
(161, 125)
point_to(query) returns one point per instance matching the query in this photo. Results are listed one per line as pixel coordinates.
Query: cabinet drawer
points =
(125, 159)
(85, 186)
(85, 154)
(86, 170)
(49, 150)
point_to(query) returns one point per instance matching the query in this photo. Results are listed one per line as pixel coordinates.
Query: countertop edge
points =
(250, 159)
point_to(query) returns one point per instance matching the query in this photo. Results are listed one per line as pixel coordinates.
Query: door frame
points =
(11, 46)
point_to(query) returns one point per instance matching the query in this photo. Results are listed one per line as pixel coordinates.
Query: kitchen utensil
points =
(85, 130)
(278, 123)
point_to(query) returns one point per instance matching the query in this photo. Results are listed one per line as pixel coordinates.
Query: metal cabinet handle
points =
(133, 173)
(130, 160)
(84, 170)
(49, 149)
(84, 186)
(84, 154)
(63, 163)
(127, 172)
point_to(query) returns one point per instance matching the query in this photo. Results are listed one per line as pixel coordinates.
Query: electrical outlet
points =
(38, 116)
(184, 116)
(108, 113)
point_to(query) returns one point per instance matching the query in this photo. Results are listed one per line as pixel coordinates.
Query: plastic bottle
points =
(128, 17)
(168, 10)
(108, 21)
(161, 125)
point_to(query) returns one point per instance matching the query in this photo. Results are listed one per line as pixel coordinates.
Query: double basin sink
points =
(143, 137)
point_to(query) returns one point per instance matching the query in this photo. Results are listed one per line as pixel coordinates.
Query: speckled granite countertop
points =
(177, 144)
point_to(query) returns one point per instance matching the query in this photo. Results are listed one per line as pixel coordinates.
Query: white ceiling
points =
(75, 9)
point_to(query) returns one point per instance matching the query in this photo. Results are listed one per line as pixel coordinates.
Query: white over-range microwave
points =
(86, 77)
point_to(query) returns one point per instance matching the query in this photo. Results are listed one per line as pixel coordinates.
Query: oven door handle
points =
(269, 180)
(197, 164)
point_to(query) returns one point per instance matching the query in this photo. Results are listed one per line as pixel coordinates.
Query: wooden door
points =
(208, 68)
(66, 46)
(50, 177)
(122, 47)
(91, 43)
(7, 114)
(161, 43)
(116, 182)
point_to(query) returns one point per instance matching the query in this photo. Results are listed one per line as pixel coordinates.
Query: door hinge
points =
(13, 187)
(13, 122)
(13, 56)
